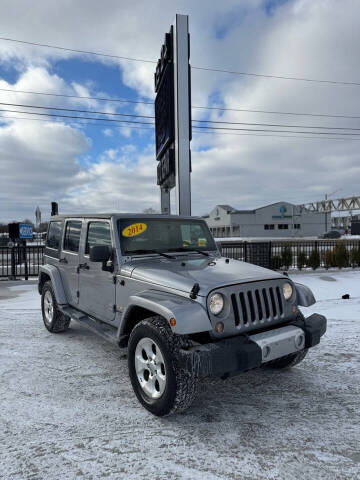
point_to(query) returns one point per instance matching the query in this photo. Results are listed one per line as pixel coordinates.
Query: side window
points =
(54, 235)
(98, 234)
(72, 236)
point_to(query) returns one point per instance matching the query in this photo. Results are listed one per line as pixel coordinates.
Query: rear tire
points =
(159, 382)
(54, 320)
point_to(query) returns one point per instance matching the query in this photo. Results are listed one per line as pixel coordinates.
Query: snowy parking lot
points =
(68, 410)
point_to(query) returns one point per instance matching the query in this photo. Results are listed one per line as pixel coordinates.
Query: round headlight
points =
(287, 291)
(216, 303)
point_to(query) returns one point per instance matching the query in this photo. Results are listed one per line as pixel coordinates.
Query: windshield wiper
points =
(183, 249)
(141, 251)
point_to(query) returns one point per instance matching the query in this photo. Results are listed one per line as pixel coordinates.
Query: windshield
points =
(142, 235)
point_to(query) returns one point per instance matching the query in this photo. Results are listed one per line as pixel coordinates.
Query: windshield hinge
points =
(194, 291)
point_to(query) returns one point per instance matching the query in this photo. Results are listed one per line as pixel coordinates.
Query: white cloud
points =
(108, 132)
(301, 38)
(37, 165)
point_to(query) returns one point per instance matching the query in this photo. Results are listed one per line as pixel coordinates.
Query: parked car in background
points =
(331, 234)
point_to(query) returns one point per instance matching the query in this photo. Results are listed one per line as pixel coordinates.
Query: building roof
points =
(271, 204)
(228, 208)
(120, 215)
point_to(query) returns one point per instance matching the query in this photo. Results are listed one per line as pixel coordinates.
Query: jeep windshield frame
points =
(164, 235)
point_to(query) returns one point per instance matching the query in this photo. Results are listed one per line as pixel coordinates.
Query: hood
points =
(209, 273)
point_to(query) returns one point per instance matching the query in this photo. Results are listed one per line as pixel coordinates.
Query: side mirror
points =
(100, 253)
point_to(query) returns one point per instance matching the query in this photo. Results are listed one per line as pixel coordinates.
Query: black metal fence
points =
(21, 261)
(295, 254)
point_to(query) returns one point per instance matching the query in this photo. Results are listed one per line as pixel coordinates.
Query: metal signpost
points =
(173, 117)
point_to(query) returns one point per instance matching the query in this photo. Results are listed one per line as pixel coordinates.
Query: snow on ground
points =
(67, 409)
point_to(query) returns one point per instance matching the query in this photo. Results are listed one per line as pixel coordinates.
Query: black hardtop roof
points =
(122, 215)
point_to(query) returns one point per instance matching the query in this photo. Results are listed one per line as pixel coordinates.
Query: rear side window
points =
(98, 234)
(54, 235)
(72, 236)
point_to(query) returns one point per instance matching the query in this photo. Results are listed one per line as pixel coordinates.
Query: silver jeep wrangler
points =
(158, 286)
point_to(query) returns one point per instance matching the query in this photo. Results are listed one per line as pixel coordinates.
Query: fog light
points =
(299, 341)
(219, 327)
(266, 351)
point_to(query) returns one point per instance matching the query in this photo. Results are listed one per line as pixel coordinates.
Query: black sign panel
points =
(164, 112)
(166, 169)
(166, 56)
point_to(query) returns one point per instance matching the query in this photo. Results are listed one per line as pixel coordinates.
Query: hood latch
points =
(194, 291)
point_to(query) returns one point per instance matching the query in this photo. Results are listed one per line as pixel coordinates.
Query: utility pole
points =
(326, 214)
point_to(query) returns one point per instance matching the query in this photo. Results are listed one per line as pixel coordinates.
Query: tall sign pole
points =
(182, 100)
(173, 117)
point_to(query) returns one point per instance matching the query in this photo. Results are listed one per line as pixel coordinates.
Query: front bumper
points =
(238, 354)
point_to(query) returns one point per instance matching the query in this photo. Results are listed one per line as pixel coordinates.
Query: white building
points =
(281, 219)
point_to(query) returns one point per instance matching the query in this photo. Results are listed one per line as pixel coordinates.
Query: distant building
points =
(281, 219)
(343, 221)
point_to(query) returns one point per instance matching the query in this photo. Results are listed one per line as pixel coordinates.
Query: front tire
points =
(54, 320)
(159, 382)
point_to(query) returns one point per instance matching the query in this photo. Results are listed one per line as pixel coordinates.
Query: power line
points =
(277, 131)
(121, 100)
(279, 77)
(194, 120)
(126, 100)
(73, 50)
(209, 69)
(202, 127)
(275, 125)
(73, 116)
(97, 124)
(274, 135)
(275, 112)
(75, 110)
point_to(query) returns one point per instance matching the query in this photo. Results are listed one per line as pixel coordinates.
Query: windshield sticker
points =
(134, 229)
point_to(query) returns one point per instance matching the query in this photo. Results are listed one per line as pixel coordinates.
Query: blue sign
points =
(283, 210)
(25, 231)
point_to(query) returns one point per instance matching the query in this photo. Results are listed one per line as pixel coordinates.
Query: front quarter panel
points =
(304, 296)
(191, 316)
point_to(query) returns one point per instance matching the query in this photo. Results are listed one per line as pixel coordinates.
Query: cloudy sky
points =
(102, 166)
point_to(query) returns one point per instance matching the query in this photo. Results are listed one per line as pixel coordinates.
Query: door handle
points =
(63, 260)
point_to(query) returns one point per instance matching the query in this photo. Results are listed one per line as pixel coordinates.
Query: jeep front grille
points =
(257, 306)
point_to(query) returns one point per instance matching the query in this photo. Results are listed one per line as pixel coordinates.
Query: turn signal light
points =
(172, 321)
(219, 327)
